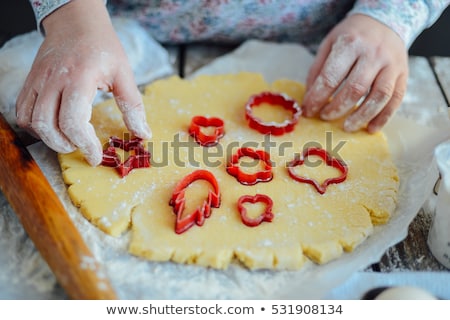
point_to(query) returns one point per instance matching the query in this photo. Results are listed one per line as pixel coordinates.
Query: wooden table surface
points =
(412, 253)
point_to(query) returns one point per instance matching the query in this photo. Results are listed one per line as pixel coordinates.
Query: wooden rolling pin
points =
(46, 221)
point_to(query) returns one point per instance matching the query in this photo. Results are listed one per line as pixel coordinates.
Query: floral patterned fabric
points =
(43, 8)
(406, 17)
(303, 21)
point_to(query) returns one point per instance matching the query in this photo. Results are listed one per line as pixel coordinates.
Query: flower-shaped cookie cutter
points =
(138, 158)
(275, 128)
(329, 160)
(206, 140)
(178, 200)
(245, 178)
(266, 215)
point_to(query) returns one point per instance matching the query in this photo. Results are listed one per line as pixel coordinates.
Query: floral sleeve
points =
(407, 18)
(42, 8)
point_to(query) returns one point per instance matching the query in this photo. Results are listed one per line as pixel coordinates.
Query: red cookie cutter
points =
(274, 128)
(205, 140)
(178, 201)
(244, 178)
(139, 157)
(330, 161)
(267, 215)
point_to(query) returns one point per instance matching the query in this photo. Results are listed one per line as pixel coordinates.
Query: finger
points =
(380, 94)
(394, 103)
(336, 68)
(319, 61)
(74, 121)
(24, 107)
(44, 121)
(129, 101)
(355, 88)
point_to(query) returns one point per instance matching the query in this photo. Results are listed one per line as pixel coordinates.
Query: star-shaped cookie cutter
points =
(329, 160)
(178, 200)
(205, 140)
(266, 215)
(272, 127)
(244, 178)
(138, 158)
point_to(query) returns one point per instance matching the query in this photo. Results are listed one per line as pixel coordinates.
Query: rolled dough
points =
(306, 225)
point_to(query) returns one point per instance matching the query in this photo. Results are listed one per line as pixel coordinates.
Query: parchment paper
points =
(412, 134)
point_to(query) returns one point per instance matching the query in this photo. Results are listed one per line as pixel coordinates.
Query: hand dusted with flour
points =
(75, 59)
(352, 66)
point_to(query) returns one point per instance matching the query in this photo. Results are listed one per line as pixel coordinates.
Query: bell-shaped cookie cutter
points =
(329, 160)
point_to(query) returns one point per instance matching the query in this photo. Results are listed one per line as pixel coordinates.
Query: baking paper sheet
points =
(412, 134)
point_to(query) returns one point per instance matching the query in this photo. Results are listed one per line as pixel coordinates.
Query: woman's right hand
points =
(80, 54)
